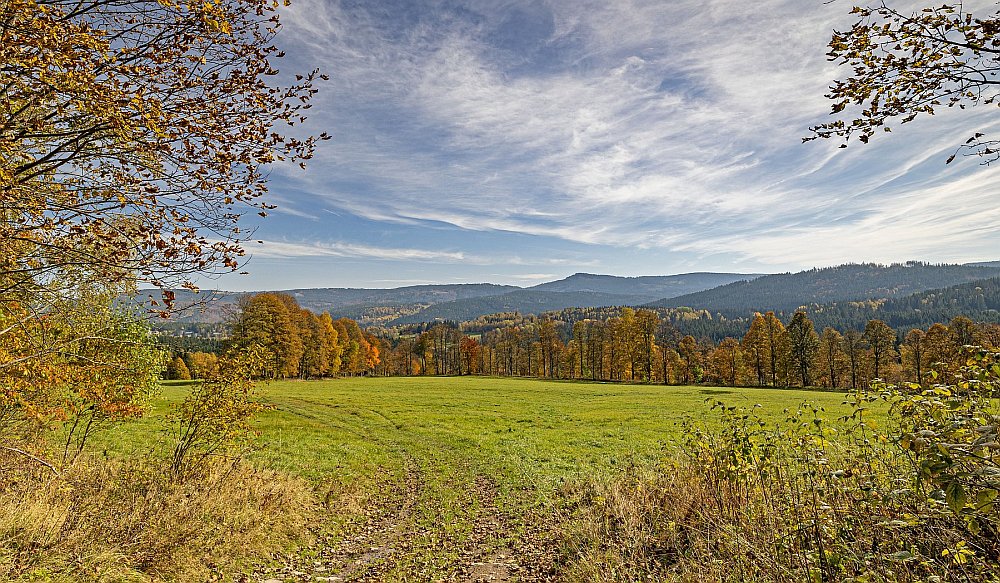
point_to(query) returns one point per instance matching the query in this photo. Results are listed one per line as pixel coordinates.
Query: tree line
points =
(604, 344)
(640, 346)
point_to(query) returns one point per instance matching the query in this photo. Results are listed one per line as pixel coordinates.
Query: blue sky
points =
(517, 142)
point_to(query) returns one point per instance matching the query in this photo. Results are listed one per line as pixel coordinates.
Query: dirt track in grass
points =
(456, 479)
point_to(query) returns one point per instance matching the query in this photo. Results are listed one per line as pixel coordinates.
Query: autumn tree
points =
(264, 320)
(914, 355)
(616, 353)
(940, 347)
(629, 342)
(778, 349)
(470, 351)
(378, 356)
(315, 361)
(646, 325)
(854, 349)
(550, 348)
(135, 134)
(596, 342)
(201, 364)
(755, 347)
(830, 358)
(373, 355)
(989, 335)
(881, 341)
(359, 354)
(667, 339)
(690, 355)
(334, 349)
(803, 343)
(581, 341)
(904, 65)
(964, 331)
(177, 370)
(726, 362)
(766, 345)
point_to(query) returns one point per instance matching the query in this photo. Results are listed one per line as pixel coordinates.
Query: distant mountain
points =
(995, 264)
(657, 286)
(525, 301)
(214, 306)
(325, 299)
(429, 303)
(836, 294)
(581, 290)
(851, 282)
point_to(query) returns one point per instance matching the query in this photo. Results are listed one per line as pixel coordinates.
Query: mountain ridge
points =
(731, 294)
(848, 282)
(410, 301)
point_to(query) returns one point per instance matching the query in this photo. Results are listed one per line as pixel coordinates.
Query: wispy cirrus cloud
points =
(282, 249)
(636, 125)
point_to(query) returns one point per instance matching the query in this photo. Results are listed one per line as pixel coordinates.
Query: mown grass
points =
(431, 479)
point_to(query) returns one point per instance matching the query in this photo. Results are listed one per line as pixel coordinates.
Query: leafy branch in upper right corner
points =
(909, 64)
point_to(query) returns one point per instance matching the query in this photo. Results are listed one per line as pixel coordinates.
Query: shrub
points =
(912, 498)
(215, 419)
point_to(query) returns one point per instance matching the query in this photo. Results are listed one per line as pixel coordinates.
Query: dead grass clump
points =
(114, 520)
(641, 526)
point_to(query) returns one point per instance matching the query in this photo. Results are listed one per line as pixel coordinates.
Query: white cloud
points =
(281, 249)
(668, 125)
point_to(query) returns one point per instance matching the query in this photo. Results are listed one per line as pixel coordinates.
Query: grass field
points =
(455, 478)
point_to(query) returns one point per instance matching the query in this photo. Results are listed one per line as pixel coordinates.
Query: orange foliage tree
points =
(133, 135)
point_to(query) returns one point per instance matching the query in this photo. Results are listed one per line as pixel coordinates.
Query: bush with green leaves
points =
(216, 417)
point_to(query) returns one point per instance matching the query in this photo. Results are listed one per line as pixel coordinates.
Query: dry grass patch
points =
(115, 520)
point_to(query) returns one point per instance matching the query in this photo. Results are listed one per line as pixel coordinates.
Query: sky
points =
(518, 142)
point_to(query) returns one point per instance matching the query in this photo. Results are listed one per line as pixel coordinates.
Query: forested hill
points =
(324, 299)
(977, 300)
(420, 303)
(526, 301)
(214, 306)
(657, 286)
(852, 282)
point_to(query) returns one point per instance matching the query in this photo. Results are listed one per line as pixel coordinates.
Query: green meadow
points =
(514, 429)
(439, 476)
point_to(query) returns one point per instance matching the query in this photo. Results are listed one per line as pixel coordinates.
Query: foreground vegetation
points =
(463, 478)
(465, 469)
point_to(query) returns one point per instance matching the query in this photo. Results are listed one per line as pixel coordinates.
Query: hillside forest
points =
(614, 344)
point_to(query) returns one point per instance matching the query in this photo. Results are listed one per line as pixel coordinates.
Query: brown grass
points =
(115, 520)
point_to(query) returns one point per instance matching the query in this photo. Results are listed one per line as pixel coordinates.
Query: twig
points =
(33, 457)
